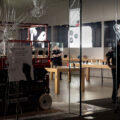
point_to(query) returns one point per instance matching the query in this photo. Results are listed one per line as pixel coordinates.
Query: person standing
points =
(113, 60)
(57, 58)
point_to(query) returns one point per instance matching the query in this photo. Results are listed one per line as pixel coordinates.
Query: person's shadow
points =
(27, 71)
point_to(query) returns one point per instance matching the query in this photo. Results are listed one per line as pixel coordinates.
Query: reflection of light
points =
(89, 117)
(33, 32)
(37, 12)
(38, 9)
(42, 36)
(116, 28)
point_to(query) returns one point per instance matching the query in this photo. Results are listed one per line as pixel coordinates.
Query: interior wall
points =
(94, 11)
(57, 13)
(99, 10)
(95, 53)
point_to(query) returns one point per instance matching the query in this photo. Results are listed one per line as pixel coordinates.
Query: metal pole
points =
(69, 63)
(69, 78)
(116, 6)
(80, 57)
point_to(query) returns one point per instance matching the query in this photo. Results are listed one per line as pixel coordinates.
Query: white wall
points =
(96, 53)
(89, 52)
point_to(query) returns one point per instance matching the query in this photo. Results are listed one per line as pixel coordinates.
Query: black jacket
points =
(114, 55)
(57, 60)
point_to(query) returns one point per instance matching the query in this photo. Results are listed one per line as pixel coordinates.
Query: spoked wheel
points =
(45, 101)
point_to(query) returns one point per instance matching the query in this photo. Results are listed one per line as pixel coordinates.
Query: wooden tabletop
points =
(63, 69)
(96, 66)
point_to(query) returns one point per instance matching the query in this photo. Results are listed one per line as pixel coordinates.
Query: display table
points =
(57, 71)
(88, 66)
(76, 68)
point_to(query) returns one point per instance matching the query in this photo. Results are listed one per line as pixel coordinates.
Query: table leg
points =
(57, 81)
(69, 76)
(51, 75)
(101, 76)
(88, 74)
(83, 81)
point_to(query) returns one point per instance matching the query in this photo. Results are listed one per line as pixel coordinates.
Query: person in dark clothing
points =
(113, 60)
(57, 59)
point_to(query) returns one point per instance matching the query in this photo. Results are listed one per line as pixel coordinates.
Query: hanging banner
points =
(74, 17)
(74, 29)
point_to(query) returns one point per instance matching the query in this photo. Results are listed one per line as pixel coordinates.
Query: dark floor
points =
(96, 100)
(106, 115)
(112, 113)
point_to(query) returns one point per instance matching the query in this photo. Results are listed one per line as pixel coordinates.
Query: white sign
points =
(74, 29)
(20, 63)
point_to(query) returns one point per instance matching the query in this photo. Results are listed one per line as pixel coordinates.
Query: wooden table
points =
(84, 60)
(88, 66)
(57, 71)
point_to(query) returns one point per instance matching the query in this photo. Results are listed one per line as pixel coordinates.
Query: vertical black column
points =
(80, 57)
